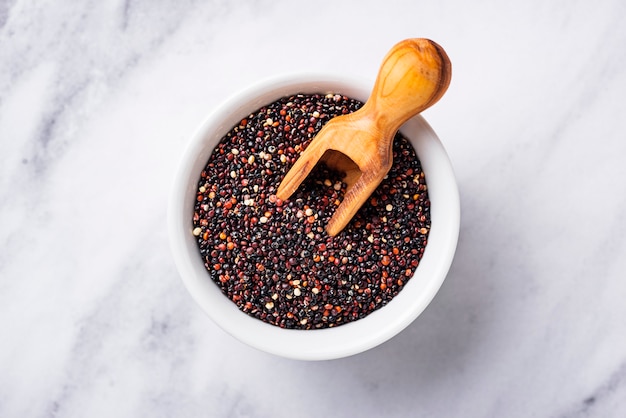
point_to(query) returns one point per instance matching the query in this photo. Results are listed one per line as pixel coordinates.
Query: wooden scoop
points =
(413, 76)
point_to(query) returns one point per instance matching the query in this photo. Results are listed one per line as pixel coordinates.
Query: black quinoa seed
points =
(273, 258)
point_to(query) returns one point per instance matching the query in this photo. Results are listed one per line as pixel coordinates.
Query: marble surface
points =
(97, 101)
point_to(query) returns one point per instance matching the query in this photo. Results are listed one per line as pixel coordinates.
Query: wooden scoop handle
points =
(413, 76)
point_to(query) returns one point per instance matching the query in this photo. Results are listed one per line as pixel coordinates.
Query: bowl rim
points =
(329, 343)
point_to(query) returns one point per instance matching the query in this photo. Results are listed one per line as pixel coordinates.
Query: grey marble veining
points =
(97, 100)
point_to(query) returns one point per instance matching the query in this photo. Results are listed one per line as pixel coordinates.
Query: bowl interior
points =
(349, 338)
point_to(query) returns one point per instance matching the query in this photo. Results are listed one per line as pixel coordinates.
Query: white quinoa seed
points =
(269, 305)
(297, 292)
(197, 231)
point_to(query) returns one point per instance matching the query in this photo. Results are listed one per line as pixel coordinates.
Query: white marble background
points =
(97, 100)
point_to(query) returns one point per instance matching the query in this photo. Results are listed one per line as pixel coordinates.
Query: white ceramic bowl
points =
(350, 338)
